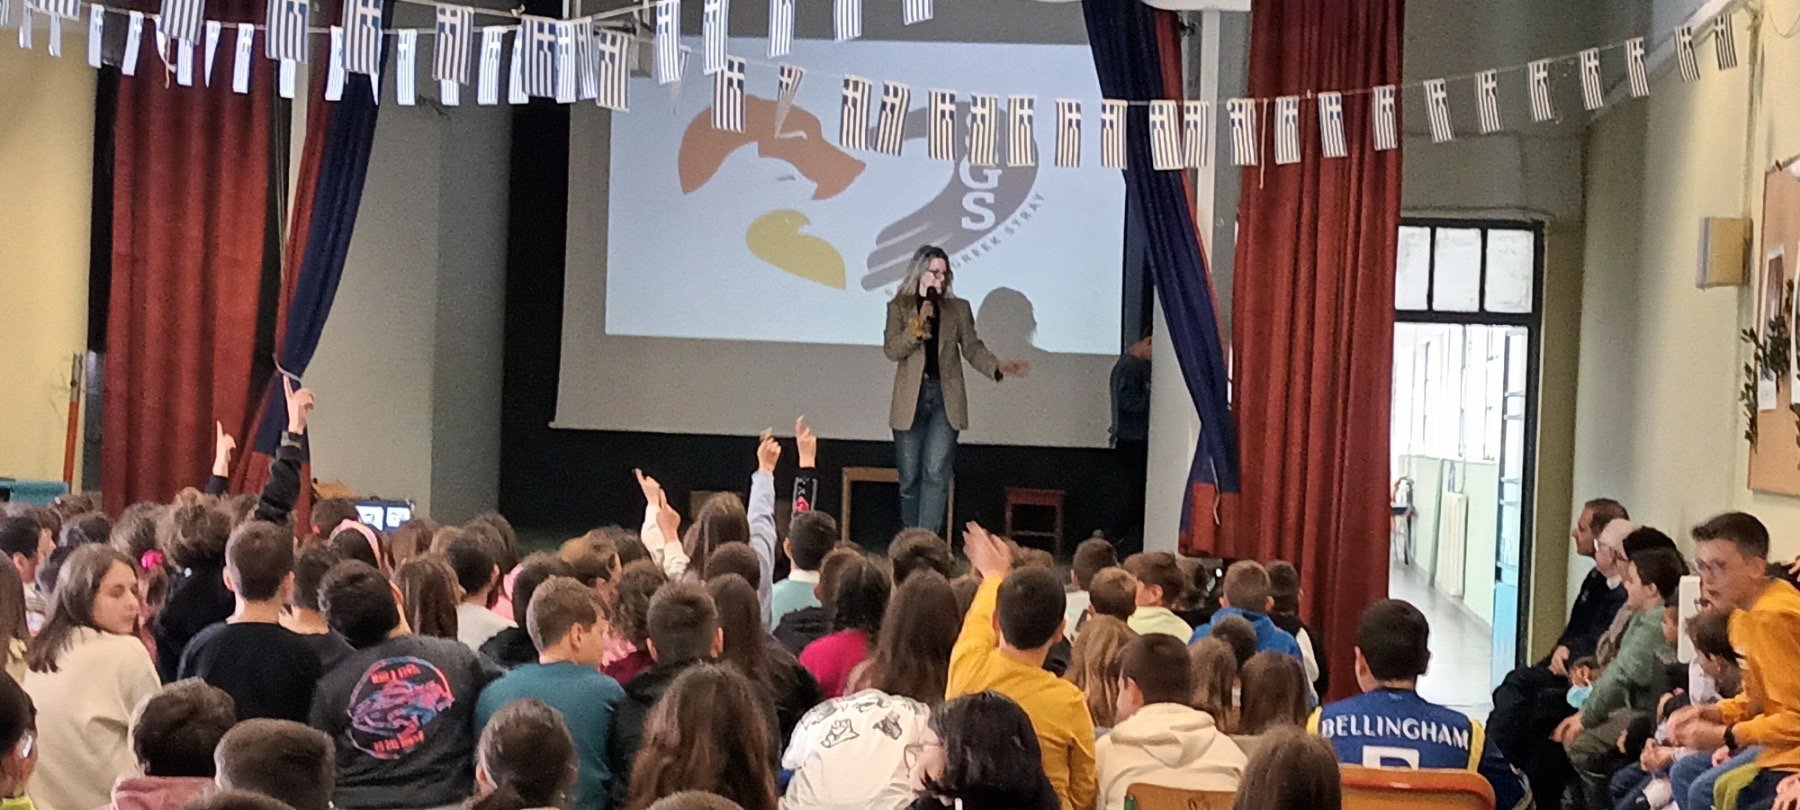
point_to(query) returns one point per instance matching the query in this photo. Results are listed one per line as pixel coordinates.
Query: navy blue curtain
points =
(334, 164)
(1124, 36)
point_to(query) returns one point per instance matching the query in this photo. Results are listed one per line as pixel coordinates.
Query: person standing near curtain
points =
(929, 333)
(1131, 442)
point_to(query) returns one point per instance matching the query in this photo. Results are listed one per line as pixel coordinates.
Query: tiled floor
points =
(1461, 645)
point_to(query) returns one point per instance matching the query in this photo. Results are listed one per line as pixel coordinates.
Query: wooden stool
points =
(880, 475)
(1051, 499)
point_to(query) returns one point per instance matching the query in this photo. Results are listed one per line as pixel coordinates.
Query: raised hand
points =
(223, 445)
(668, 521)
(299, 404)
(768, 451)
(987, 554)
(653, 491)
(807, 443)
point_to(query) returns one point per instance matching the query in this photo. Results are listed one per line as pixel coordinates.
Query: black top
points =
(1595, 606)
(795, 691)
(401, 715)
(510, 648)
(931, 348)
(330, 646)
(269, 670)
(197, 600)
(996, 798)
(800, 628)
(1292, 624)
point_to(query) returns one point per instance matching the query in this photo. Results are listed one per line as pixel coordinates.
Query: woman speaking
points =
(929, 332)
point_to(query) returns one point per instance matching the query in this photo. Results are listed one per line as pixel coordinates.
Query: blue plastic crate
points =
(37, 493)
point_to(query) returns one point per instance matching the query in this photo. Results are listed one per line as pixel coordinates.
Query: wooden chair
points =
(1141, 796)
(1391, 788)
(1050, 499)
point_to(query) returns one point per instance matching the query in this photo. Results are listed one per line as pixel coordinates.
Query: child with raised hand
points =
(87, 674)
(173, 735)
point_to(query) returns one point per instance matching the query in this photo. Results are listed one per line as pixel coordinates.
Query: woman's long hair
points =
(721, 519)
(708, 732)
(72, 603)
(740, 616)
(428, 586)
(915, 269)
(991, 753)
(1215, 673)
(912, 650)
(1094, 665)
(1292, 770)
(528, 756)
(1274, 693)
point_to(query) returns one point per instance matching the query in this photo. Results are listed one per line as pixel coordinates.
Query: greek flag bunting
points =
(1242, 112)
(890, 125)
(1385, 129)
(1021, 131)
(714, 18)
(1165, 138)
(455, 31)
(1487, 101)
(1638, 77)
(787, 88)
(1068, 133)
(1437, 109)
(1287, 130)
(1331, 126)
(1591, 96)
(1684, 54)
(1112, 132)
(286, 30)
(781, 27)
(1537, 84)
(610, 49)
(668, 41)
(941, 140)
(728, 96)
(853, 113)
(983, 142)
(362, 38)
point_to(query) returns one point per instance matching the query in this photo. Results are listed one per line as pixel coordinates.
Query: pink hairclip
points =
(151, 560)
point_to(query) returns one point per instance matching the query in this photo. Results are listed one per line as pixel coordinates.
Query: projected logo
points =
(976, 208)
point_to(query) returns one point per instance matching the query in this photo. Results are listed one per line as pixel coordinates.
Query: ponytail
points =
(504, 797)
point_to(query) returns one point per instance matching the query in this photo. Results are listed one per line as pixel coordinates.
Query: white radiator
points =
(1452, 542)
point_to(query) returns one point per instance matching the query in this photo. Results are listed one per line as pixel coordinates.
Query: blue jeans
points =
(1693, 776)
(925, 455)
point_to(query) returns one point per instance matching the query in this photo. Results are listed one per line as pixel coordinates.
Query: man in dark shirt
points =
(1131, 442)
(269, 670)
(1531, 700)
(400, 710)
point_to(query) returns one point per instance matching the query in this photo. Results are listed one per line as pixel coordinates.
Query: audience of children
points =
(514, 645)
(1160, 585)
(1159, 739)
(173, 736)
(854, 609)
(1094, 668)
(429, 589)
(1092, 556)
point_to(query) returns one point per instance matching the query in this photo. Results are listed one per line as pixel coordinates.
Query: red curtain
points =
(190, 194)
(1314, 318)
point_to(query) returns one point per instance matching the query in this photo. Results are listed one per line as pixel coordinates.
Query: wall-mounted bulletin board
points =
(1775, 457)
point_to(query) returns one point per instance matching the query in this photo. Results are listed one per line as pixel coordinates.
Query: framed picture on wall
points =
(1774, 277)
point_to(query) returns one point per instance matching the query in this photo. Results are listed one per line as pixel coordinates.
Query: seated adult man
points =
(1390, 726)
(1531, 700)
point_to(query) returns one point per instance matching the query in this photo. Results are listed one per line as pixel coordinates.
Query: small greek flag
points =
(1638, 77)
(1068, 133)
(1112, 132)
(714, 25)
(286, 30)
(1197, 133)
(890, 123)
(25, 25)
(1684, 54)
(240, 64)
(786, 89)
(942, 138)
(853, 113)
(362, 38)
(549, 58)
(487, 89)
(187, 49)
(334, 74)
(214, 30)
(515, 79)
(182, 19)
(1725, 40)
(286, 72)
(184, 54)
(1437, 108)
(612, 48)
(1487, 101)
(846, 19)
(586, 64)
(1242, 112)
(406, 79)
(1386, 130)
(1165, 137)
(1591, 96)
(917, 11)
(728, 96)
(96, 33)
(1287, 130)
(1331, 126)
(668, 41)
(455, 31)
(61, 9)
(134, 42)
(781, 27)
(1537, 86)
(1021, 131)
(983, 140)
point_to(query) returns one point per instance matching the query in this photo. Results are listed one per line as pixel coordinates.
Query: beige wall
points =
(1658, 424)
(46, 168)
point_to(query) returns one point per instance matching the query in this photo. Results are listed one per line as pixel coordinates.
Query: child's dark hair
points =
(534, 570)
(911, 656)
(235, 800)
(194, 531)
(859, 598)
(683, 622)
(1158, 569)
(1240, 634)
(810, 537)
(329, 512)
(258, 559)
(72, 603)
(1092, 555)
(734, 558)
(919, 550)
(472, 558)
(1274, 693)
(1284, 586)
(1113, 592)
(1158, 664)
(309, 571)
(638, 583)
(1290, 770)
(991, 753)
(1662, 568)
(707, 732)
(352, 544)
(1394, 639)
(720, 520)
(1030, 605)
(557, 604)
(528, 756)
(174, 732)
(288, 761)
(87, 527)
(358, 603)
(495, 526)
(1710, 630)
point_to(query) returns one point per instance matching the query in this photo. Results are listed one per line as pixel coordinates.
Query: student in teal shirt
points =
(565, 623)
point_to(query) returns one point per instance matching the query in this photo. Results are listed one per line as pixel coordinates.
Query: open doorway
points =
(1463, 433)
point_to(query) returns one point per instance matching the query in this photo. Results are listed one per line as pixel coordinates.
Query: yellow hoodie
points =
(1767, 711)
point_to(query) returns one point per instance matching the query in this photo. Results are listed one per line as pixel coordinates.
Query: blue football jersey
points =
(1395, 728)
